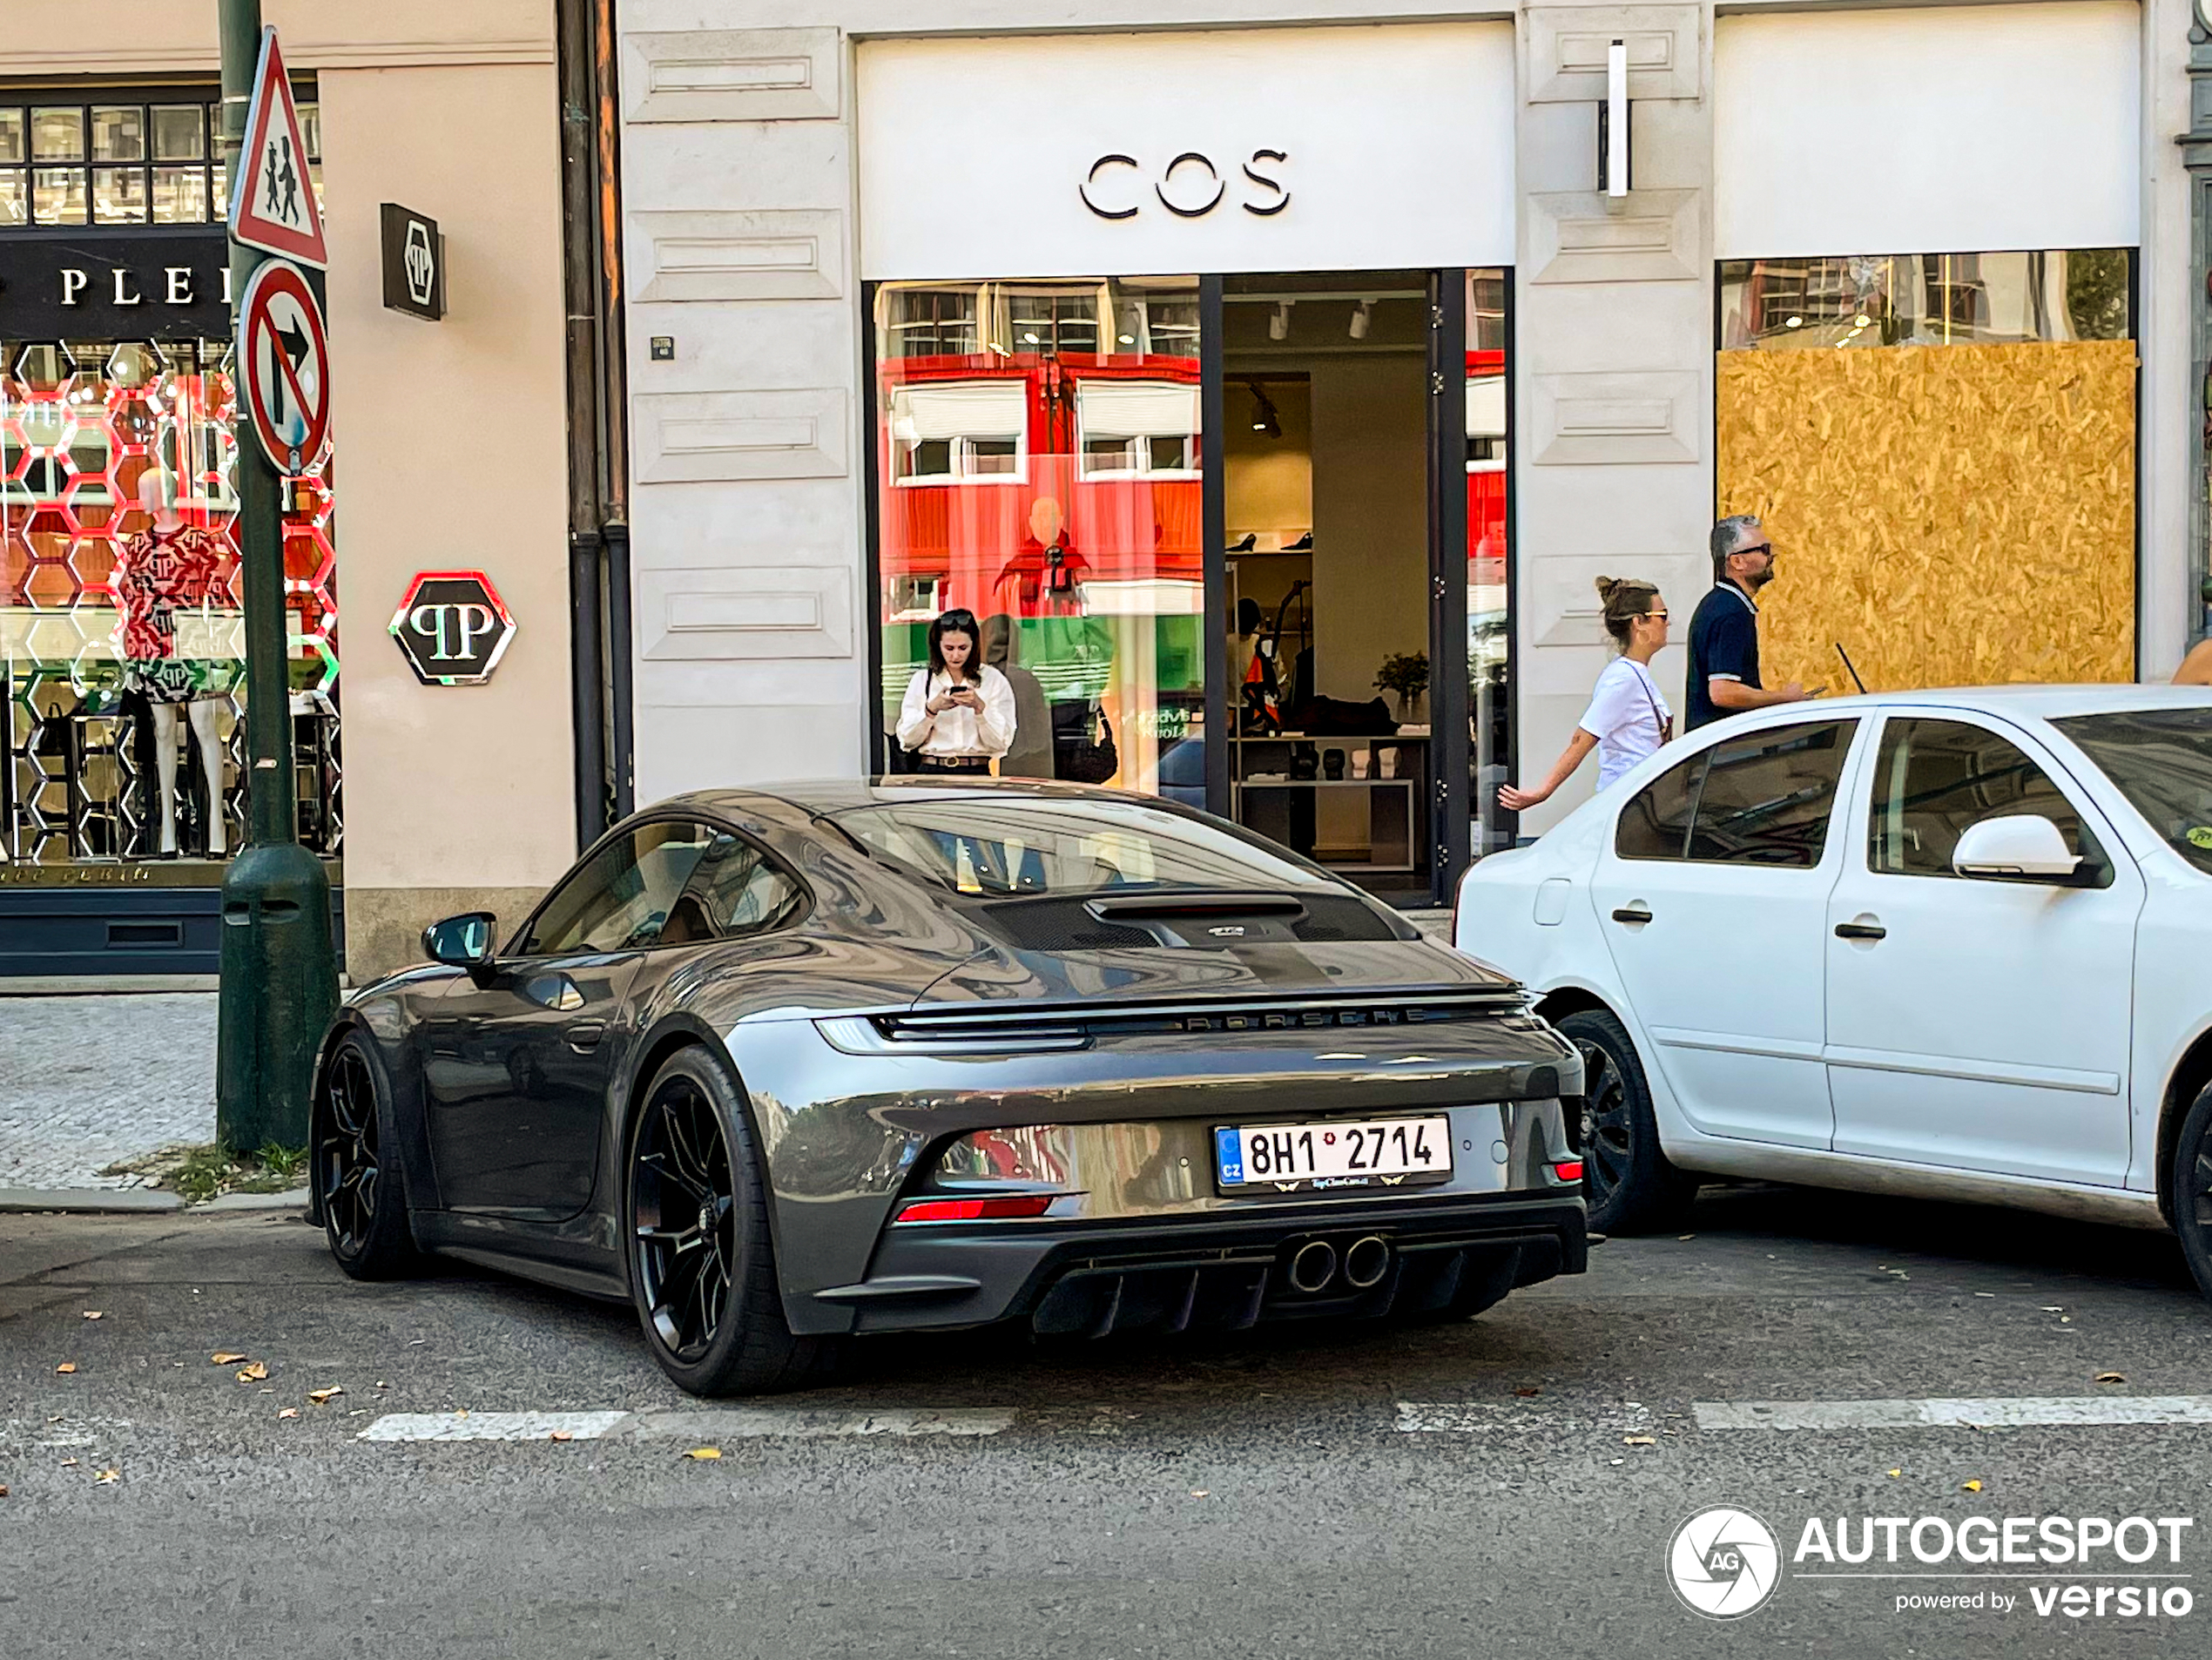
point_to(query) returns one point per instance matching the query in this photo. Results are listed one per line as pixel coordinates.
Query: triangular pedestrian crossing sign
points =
(272, 199)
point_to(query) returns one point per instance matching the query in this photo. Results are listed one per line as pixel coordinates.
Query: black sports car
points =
(786, 1064)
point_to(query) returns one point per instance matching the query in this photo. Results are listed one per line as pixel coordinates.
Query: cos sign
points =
(1190, 186)
(452, 627)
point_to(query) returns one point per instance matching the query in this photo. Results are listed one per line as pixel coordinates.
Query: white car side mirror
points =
(2019, 847)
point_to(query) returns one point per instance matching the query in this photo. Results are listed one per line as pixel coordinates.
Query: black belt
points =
(955, 763)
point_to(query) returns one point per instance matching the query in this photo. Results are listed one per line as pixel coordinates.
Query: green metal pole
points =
(279, 983)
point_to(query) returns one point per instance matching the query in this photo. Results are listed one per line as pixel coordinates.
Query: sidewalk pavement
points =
(87, 1081)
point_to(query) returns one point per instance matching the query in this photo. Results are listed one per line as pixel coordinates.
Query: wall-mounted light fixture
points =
(1612, 123)
(1279, 325)
(1360, 317)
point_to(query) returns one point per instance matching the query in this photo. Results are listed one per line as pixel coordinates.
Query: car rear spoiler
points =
(1131, 906)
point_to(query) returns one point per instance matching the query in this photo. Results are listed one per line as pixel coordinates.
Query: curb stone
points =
(120, 1201)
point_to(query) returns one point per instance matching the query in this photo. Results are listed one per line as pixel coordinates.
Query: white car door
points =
(1975, 1023)
(1713, 899)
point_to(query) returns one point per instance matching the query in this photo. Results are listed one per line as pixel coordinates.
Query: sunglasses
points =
(1762, 547)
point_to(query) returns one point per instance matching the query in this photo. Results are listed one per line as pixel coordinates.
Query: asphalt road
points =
(1252, 1497)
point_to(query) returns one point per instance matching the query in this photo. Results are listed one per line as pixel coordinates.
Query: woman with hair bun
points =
(1627, 717)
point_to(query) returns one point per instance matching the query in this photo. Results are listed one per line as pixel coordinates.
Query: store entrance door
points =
(1344, 622)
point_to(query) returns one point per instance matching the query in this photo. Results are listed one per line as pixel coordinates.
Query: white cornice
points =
(115, 59)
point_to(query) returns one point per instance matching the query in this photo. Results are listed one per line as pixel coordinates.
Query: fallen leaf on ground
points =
(3, 1489)
(323, 1397)
(562, 1435)
(224, 1357)
(381, 1383)
(253, 1373)
(1680, 1236)
(1971, 1487)
(1527, 1390)
(107, 1477)
(93, 1313)
(2110, 1377)
(704, 1452)
(69, 1463)
(1620, 1460)
(2051, 1308)
(462, 1413)
(289, 1412)
(1200, 1492)
(66, 1367)
(1639, 1440)
(1893, 1475)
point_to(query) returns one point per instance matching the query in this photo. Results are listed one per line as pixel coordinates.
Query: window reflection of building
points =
(1039, 456)
(1925, 300)
(152, 158)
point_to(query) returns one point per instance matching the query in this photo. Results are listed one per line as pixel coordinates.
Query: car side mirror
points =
(462, 942)
(2020, 846)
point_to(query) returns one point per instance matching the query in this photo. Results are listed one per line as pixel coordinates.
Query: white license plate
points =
(1376, 1152)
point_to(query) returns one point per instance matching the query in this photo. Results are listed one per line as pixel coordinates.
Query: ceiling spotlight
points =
(1129, 340)
(1360, 318)
(1861, 320)
(1793, 322)
(1278, 325)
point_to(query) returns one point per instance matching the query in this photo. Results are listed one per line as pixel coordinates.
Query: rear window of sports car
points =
(1035, 846)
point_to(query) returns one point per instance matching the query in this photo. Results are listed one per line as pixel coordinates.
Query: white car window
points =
(1933, 779)
(1764, 799)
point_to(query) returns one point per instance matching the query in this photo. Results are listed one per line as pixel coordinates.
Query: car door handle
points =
(1631, 913)
(584, 1034)
(1861, 931)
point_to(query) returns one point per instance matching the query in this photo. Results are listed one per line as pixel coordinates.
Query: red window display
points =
(1039, 459)
(119, 605)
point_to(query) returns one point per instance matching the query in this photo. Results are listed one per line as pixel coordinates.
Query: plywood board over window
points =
(1954, 515)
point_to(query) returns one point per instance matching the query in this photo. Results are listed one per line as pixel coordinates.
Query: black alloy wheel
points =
(2192, 1191)
(701, 1264)
(681, 1198)
(357, 1181)
(1628, 1182)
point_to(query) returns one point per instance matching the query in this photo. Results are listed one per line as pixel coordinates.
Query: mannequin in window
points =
(165, 566)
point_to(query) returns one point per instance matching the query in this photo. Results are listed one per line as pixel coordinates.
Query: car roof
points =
(2039, 702)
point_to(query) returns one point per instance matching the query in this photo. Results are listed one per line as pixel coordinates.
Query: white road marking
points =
(491, 1425)
(730, 1424)
(1490, 1418)
(738, 1422)
(1993, 1413)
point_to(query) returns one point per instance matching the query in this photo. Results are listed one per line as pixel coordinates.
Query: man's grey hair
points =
(1728, 534)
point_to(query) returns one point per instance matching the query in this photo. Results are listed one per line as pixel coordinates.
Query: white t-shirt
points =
(1625, 716)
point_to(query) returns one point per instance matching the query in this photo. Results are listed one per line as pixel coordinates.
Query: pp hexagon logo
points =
(453, 627)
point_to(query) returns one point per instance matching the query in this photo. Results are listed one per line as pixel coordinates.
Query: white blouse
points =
(1626, 716)
(958, 730)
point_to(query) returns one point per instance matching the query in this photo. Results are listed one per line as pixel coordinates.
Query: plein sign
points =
(415, 263)
(283, 357)
(453, 626)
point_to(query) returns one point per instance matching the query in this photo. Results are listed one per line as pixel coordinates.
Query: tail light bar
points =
(996, 1208)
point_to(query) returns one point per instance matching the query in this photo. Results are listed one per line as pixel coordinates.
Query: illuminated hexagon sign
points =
(453, 627)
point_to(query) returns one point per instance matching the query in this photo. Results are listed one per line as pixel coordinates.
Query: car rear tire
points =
(1628, 1182)
(701, 1264)
(2193, 1190)
(358, 1184)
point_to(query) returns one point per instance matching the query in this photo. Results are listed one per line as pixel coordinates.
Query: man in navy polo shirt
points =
(1725, 632)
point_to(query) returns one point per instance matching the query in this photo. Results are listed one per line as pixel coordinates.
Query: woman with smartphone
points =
(958, 714)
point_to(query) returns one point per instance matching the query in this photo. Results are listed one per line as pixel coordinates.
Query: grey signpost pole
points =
(279, 984)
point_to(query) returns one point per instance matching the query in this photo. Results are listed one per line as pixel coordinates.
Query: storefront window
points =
(124, 163)
(1939, 435)
(121, 651)
(1925, 300)
(1039, 459)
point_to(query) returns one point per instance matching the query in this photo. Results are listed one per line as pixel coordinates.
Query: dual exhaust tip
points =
(1318, 1265)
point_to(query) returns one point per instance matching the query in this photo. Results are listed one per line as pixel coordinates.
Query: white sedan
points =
(1943, 943)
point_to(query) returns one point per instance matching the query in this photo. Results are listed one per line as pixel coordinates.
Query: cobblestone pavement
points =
(86, 1080)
